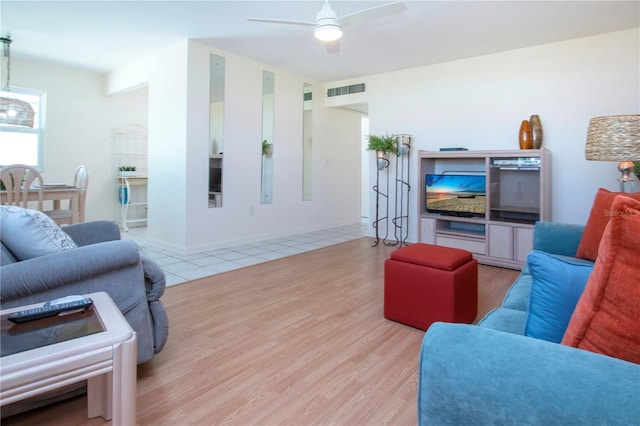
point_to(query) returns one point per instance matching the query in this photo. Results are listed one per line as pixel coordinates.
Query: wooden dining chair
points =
(65, 216)
(18, 181)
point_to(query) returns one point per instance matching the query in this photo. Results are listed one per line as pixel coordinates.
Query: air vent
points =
(345, 90)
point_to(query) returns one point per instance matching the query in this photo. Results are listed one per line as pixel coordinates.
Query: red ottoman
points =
(424, 283)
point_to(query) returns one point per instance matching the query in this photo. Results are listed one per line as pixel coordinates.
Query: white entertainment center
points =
(518, 193)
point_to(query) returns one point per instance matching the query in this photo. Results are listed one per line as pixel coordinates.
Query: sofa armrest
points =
(155, 283)
(474, 375)
(42, 275)
(557, 238)
(154, 278)
(97, 231)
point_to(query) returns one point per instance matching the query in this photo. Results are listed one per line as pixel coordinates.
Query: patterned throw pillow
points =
(31, 233)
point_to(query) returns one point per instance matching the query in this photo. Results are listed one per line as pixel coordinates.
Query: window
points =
(21, 144)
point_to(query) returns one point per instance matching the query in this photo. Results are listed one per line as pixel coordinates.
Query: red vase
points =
(525, 136)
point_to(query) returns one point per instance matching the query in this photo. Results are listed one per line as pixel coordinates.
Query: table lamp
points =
(615, 138)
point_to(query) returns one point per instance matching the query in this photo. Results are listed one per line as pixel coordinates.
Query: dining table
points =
(55, 193)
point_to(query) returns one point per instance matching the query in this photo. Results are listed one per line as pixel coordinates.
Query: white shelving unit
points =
(518, 193)
(130, 149)
(132, 200)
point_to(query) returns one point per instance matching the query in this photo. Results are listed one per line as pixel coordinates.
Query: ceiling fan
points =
(328, 26)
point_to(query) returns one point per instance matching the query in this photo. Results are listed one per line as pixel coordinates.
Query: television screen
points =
(460, 195)
(215, 179)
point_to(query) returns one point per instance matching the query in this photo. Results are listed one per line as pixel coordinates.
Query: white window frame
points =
(38, 123)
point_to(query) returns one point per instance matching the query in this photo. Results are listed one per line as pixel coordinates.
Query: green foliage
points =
(636, 168)
(127, 168)
(382, 143)
(266, 148)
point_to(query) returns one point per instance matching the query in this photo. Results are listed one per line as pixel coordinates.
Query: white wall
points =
(479, 103)
(79, 125)
(170, 125)
(179, 216)
(175, 106)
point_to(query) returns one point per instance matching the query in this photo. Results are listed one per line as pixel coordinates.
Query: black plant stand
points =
(382, 166)
(400, 220)
(401, 217)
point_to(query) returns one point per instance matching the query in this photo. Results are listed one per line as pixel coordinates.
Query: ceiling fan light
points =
(329, 32)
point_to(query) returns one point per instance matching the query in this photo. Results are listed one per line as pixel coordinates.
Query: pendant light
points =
(13, 111)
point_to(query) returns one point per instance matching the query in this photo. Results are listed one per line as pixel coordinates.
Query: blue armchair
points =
(101, 262)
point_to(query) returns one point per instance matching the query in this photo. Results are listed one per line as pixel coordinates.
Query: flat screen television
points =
(456, 194)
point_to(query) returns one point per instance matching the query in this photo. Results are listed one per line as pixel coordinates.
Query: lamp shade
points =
(16, 112)
(614, 138)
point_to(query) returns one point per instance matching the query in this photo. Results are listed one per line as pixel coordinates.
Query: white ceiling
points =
(103, 35)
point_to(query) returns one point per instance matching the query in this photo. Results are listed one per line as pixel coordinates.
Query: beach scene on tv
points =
(456, 194)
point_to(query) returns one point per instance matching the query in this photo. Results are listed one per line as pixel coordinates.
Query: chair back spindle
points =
(18, 180)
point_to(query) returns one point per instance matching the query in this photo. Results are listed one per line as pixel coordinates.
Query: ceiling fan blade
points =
(372, 13)
(281, 21)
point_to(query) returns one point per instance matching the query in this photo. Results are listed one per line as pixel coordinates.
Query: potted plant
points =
(267, 148)
(383, 145)
(127, 171)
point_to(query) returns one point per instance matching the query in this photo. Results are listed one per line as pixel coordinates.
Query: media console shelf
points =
(518, 193)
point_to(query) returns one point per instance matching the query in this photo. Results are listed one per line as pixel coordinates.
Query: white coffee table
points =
(106, 358)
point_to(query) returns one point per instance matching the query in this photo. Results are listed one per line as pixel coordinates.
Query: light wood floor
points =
(300, 340)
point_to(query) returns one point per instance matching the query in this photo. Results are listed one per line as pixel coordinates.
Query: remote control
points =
(48, 310)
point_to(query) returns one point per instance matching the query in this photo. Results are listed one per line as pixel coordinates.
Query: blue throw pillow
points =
(31, 233)
(558, 283)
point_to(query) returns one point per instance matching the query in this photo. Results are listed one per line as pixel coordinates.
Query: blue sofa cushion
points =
(557, 238)
(517, 296)
(505, 319)
(6, 257)
(558, 282)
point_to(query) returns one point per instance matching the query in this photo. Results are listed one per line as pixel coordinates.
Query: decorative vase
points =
(536, 131)
(525, 136)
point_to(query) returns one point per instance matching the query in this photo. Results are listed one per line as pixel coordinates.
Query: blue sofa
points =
(493, 374)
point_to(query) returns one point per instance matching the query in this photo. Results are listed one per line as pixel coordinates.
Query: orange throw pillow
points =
(607, 317)
(598, 219)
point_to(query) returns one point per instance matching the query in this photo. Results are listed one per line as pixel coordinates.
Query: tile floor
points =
(179, 268)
